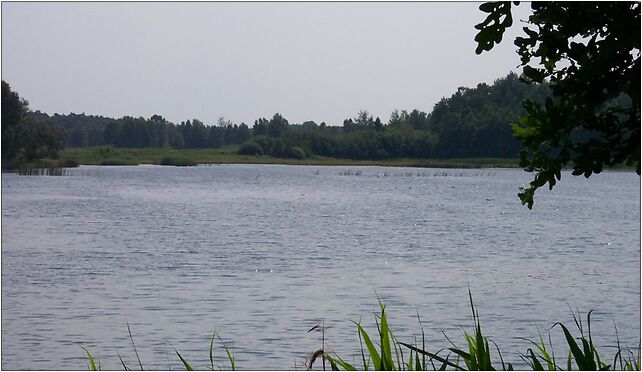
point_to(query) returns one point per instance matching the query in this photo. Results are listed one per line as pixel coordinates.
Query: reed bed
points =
(443, 173)
(43, 171)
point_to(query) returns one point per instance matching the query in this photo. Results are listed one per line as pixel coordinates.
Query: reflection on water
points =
(262, 253)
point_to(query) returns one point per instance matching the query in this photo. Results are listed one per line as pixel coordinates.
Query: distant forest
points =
(473, 122)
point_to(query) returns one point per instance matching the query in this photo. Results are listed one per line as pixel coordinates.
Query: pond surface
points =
(262, 253)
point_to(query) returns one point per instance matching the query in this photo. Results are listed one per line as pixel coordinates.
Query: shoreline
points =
(113, 156)
(228, 155)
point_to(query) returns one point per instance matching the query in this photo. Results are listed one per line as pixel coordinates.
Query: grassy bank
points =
(228, 155)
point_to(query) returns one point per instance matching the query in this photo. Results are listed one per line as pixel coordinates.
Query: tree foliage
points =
(25, 138)
(589, 53)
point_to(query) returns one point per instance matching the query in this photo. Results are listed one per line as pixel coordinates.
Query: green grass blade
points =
(386, 351)
(537, 366)
(595, 354)
(384, 332)
(432, 356)
(483, 352)
(363, 355)
(333, 366)
(444, 365)
(580, 359)
(372, 350)
(551, 366)
(549, 359)
(550, 343)
(471, 361)
(615, 359)
(92, 365)
(467, 357)
(230, 357)
(578, 321)
(449, 340)
(485, 358)
(398, 352)
(423, 344)
(589, 355)
(619, 349)
(131, 338)
(187, 366)
(212, 351)
(479, 350)
(472, 304)
(336, 362)
(123, 362)
(499, 353)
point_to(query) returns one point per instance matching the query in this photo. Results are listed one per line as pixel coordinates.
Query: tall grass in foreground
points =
(385, 352)
(477, 354)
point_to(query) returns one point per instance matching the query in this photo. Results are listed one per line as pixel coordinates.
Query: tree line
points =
(473, 122)
(80, 130)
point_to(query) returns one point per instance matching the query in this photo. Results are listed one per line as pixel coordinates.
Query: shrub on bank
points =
(295, 152)
(70, 163)
(251, 148)
(177, 162)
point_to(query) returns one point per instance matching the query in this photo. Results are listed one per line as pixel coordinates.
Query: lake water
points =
(261, 253)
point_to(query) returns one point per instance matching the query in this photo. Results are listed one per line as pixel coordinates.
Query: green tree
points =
(243, 133)
(589, 52)
(215, 138)
(277, 126)
(25, 138)
(13, 109)
(260, 127)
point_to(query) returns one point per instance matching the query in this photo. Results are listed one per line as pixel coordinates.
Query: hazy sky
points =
(307, 61)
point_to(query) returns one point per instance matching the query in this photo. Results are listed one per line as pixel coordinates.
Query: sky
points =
(321, 61)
